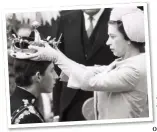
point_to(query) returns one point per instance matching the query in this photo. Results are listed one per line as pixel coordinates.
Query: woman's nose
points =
(56, 76)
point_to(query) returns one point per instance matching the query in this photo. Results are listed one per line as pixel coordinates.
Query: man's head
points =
(91, 12)
(34, 73)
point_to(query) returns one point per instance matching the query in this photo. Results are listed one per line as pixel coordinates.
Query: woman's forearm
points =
(66, 64)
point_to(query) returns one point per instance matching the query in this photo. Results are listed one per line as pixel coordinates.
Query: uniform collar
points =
(25, 96)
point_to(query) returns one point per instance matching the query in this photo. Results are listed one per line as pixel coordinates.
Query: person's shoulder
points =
(26, 114)
(135, 60)
(137, 63)
(138, 59)
(107, 11)
(70, 13)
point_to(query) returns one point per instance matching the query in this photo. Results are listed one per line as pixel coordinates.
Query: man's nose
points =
(108, 42)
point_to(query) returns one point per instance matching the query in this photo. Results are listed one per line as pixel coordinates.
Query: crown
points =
(20, 44)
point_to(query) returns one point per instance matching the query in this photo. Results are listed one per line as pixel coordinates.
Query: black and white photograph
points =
(77, 65)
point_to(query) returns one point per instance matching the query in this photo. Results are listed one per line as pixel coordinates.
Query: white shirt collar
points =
(95, 18)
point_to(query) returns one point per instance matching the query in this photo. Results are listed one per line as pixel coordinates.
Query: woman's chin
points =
(115, 54)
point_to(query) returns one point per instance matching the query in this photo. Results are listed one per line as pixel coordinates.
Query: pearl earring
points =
(129, 43)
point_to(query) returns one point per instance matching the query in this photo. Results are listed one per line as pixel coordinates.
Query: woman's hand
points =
(46, 53)
(52, 118)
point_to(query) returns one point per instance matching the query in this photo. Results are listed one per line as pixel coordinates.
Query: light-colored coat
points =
(125, 90)
(120, 90)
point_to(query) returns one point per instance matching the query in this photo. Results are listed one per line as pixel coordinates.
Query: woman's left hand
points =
(46, 53)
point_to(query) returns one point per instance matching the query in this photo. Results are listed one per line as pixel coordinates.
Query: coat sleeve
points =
(81, 74)
(123, 79)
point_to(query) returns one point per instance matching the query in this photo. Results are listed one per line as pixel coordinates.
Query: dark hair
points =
(25, 69)
(139, 45)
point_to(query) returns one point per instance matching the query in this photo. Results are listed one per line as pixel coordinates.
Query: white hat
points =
(133, 22)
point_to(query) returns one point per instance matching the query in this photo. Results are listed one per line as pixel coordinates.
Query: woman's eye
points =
(112, 36)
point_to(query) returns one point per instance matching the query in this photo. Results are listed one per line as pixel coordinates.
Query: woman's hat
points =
(133, 22)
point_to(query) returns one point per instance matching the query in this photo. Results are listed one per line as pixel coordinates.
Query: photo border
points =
(87, 122)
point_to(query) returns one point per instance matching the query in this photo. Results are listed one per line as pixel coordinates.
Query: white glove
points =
(46, 53)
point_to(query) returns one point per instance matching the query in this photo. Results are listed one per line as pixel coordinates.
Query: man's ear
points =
(37, 77)
(129, 42)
